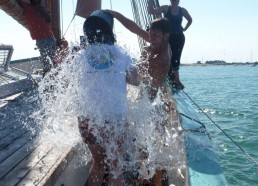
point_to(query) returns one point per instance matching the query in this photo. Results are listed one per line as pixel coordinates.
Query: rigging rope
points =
(69, 24)
(195, 120)
(74, 25)
(111, 5)
(249, 156)
(71, 21)
(141, 16)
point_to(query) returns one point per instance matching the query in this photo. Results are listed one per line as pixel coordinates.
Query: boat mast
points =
(13, 9)
(54, 8)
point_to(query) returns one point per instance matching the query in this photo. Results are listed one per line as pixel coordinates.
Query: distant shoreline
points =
(226, 64)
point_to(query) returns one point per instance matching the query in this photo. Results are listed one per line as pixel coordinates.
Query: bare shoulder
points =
(187, 15)
(185, 12)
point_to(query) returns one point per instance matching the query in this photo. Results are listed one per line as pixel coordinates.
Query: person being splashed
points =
(103, 71)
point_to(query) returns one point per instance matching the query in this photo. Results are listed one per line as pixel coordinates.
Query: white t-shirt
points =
(102, 80)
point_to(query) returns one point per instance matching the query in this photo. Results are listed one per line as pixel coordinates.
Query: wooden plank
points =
(7, 152)
(9, 129)
(59, 167)
(23, 167)
(8, 118)
(4, 124)
(6, 132)
(15, 87)
(43, 173)
(14, 135)
(15, 159)
(77, 170)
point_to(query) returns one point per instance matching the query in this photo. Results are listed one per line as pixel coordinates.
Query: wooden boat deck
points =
(24, 158)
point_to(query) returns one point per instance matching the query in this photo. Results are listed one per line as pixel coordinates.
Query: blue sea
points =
(229, 95)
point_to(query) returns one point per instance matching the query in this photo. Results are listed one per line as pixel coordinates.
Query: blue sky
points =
(222, 29)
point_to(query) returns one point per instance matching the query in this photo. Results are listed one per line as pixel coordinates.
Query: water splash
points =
(150, 137)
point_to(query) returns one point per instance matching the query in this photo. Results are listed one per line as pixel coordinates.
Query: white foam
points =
(148, 143)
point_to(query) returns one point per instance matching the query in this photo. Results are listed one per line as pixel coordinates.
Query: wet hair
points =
(98, 31)
(161, 24)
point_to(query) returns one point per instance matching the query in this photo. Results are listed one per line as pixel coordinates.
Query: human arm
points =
(188, 17)
(130, 25)
(158, 10)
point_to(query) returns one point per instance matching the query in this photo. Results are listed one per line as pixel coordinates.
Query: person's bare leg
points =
(119, 181)
(157, 178)
(112, 181)
(177, 81)
(97, 169)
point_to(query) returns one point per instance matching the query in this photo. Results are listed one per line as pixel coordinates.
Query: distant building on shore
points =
(215, 62)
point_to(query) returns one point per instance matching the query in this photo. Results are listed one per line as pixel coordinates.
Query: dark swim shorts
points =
(87, 133)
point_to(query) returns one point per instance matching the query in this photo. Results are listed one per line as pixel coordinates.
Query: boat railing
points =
(6, 52)
(12, 80)
(21, 72)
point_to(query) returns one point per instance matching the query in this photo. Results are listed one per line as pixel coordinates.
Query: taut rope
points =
(250, 157)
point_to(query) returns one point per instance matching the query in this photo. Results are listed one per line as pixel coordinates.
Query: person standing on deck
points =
(155, 59)
(174, 14)
(38, 22)
(104, 71)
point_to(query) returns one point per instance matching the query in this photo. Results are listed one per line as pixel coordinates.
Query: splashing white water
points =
(150, 136)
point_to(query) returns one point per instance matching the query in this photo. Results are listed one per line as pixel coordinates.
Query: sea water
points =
(229, 95)
(148, 143)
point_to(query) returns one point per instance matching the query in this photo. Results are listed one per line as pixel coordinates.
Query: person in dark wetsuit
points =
(175, 15)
